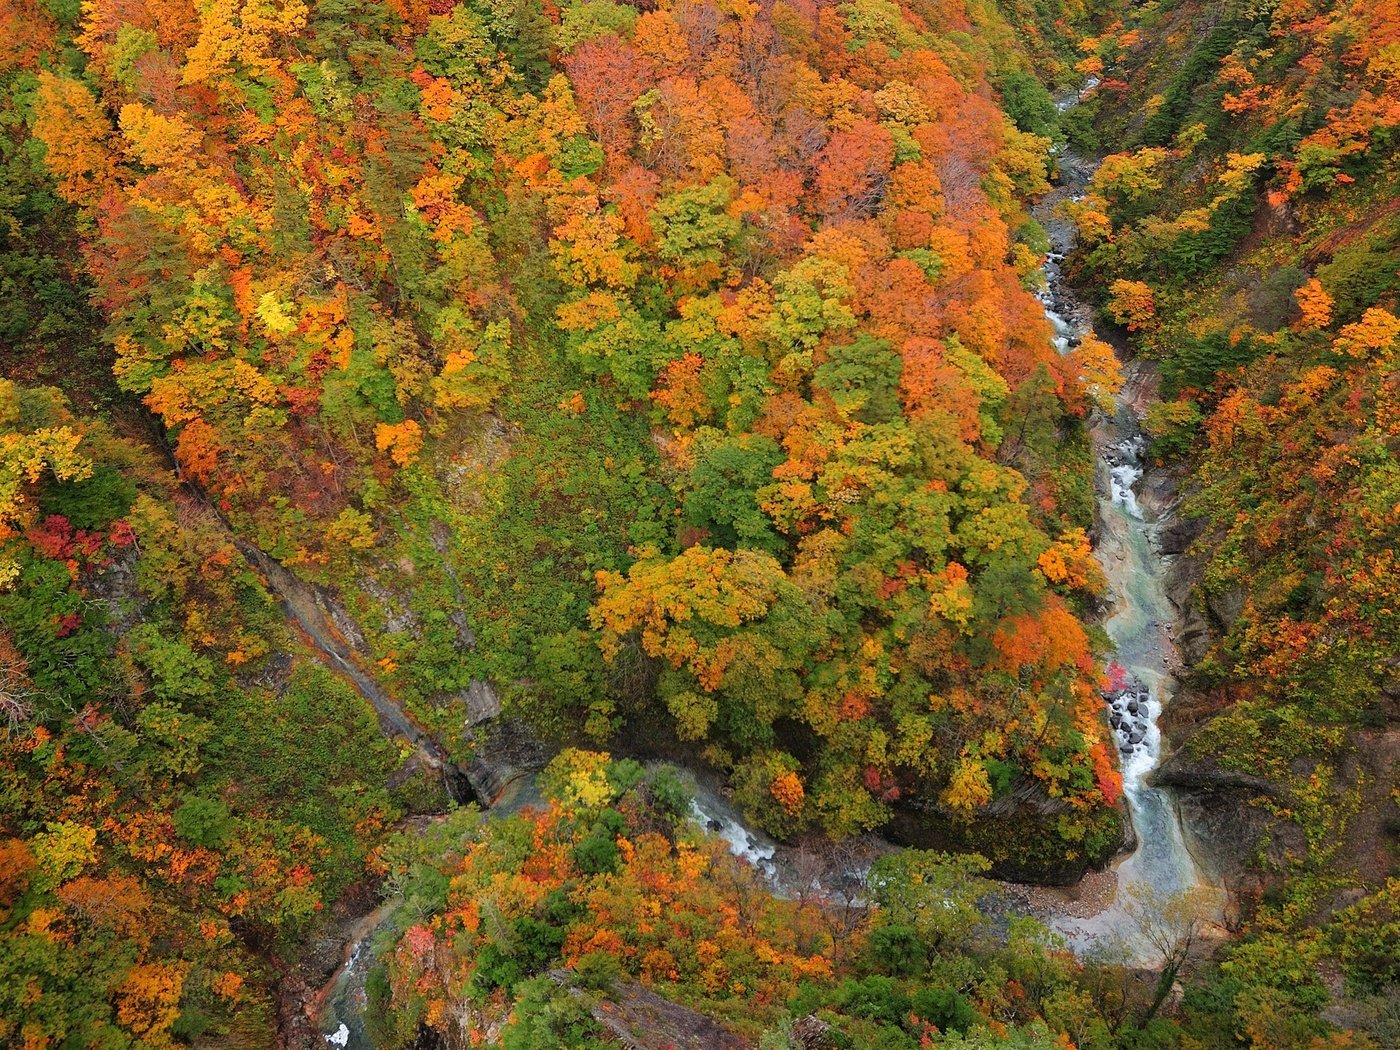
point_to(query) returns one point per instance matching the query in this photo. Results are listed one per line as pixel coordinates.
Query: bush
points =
(896, 950)
(945, 1008)
(547, 1017)
(875, 999)
(1026, 102)
(203, 821)
(668, 796)
(599, 970)
(597, 853)
(92, 503)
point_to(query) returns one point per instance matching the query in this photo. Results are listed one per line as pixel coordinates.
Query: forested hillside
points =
(392, 389)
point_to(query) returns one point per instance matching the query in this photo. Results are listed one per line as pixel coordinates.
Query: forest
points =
(795, 524)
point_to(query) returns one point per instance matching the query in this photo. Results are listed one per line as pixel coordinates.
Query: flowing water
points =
(1161, 869)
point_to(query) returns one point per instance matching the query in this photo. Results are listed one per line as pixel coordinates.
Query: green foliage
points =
(203, 821)
(862, 378)
(945, 1008)
(1198, 365)
(1363, 272)
(597, 852)
(722, 483)
(1183, 96)
(1027, 103)
(1172, 425)
(693, 226)
(94, 502)
(933, 894)
(547, 1016)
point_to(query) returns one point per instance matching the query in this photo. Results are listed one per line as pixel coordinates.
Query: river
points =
(1141, 622)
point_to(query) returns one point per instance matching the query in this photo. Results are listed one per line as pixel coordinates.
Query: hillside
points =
(399, 396)
(1244, 232)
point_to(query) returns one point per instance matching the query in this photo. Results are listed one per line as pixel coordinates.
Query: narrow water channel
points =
(1140, 626)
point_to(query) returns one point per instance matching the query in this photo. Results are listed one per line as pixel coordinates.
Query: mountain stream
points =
(1160, 870)
(1140, 625)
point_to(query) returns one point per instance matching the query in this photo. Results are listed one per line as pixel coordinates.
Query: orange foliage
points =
(1049, 641)
(1315, 304)
(787, 789)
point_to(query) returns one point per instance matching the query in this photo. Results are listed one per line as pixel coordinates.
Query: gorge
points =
(699, 523)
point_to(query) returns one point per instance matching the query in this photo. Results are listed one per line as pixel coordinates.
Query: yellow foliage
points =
(1070, 560)
(65, 850)
(1238, 169)
(24, 459)
(155, 140)
(148, 1000)
(954, 601)
(76, 137)
(272, 312)
(1131, 303)
(1377, 331)
(968, 787)
(233, 34)
(354, 528)
(1098, 370)
(578, 779)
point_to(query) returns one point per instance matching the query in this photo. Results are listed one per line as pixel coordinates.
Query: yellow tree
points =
(77, 138)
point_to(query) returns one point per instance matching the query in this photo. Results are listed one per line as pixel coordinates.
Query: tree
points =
(1315, 304)
(1131, 303)
(1170, 924)
(933, 894)
(1099, 370)
(853, 171)
(732, 622)
(401, 440)
(77, 138)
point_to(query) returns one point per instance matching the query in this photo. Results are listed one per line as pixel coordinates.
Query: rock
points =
(466, 637)
(506, 756)
(397, 617)
(1019, 833)
(1177, 534)
(640, 1019)
(812, 1033)
(1181, 772)
(1226, 608)
(481, 702)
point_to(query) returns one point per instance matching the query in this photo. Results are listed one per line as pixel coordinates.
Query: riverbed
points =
(1160, 871)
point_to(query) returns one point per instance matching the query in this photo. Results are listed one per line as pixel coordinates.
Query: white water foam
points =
(742, 842)
(1160, 868)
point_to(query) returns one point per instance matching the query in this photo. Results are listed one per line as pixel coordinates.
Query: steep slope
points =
(676, 368)
(673, 369)
(728, 299)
